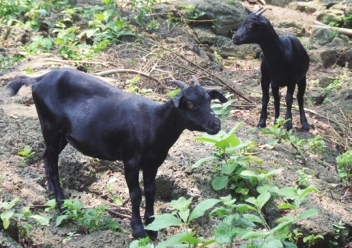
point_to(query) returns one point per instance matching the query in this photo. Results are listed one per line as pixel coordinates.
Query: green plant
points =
(27, 153)
(141, 243)
(340, 233)
(246, 220)
(344, 166)
(311, 239)
(89, 219)
(223, 110)
(335, 85)
(230, 160)
(182, 216)
(303, 178)
(317, 145)
(281, 135)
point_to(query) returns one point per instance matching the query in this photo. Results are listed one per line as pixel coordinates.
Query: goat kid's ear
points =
(177, 99)
(214, 94)
(248, 11)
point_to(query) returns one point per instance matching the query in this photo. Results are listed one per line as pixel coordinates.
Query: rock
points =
(7, 242)
(222, 17)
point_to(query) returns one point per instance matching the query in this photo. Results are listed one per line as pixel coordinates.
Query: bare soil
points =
(90, 179)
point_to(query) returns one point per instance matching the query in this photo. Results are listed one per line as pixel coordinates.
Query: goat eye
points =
(249, 25)
(190, 105)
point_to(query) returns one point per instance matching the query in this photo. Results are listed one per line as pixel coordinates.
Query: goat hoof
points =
(261, 125)
(306, 127)
(288, 125)
(153, 235)
(139, 233)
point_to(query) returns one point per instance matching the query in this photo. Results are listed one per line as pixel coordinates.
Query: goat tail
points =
(15, 85)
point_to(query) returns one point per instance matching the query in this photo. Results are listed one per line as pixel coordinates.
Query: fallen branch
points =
(119, 214)
(104, 73)
(321, 25)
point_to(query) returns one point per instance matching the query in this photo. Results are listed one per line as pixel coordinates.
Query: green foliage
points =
(344, 167)
(26, 153)
(182, 216)
(8, 213)
(231, 163)
(340, 233)
(246, 220)
(303, 178)
(90, 219)
(223, 110)
(6, 62)
(317, 145)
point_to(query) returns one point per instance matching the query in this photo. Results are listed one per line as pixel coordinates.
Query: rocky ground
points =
(95, 182)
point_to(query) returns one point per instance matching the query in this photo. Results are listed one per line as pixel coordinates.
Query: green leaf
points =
(42, 220)
(253, 218)
(288, 244)
(60, 218)
(288, 192)
(6, 223)
(202, 207)
(262, 199)
(219, 182)
(286, 205)
(271, 242)
(181, 203)
(248, 173)
(173, 241)
(308, 213)
(190, 239)
(184, 215)
(163, 221)
(228, 169)
(222, 236)
(204, 160)
(11, 204)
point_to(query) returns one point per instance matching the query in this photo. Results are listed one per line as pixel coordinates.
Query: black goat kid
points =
(285, 63)
(104, 122)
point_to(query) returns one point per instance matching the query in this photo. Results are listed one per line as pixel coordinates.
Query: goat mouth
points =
(236, 40)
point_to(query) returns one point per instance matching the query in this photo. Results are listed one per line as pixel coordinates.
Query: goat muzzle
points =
(213, 126)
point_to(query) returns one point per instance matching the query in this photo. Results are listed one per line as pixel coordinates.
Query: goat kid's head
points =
(193, 104)
(252, 29)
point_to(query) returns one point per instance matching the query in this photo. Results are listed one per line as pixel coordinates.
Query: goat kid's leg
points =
(149, 191)
(276, 95)
(300, 95)
(131, 175)
(289, 101)
(51, 157)
(265, 101)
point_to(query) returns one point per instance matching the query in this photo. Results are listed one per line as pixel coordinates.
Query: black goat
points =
(285, 63)
(104, 122)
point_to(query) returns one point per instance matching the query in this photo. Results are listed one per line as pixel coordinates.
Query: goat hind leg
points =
(276, 95)
(265, 100)
(149, 190)
(51, 157)
(289, 100)
(131, 175)
(300, 95)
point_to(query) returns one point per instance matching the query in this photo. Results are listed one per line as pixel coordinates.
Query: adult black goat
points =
(104, 122)
(285, 63)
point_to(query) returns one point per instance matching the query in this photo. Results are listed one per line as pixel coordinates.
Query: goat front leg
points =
(289, 101)
(265, 101)
(300, 94)
(50, 158)
(149, 175)
(131, 175)
(276, 95)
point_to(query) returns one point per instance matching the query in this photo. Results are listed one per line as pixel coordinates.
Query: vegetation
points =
(245, 190)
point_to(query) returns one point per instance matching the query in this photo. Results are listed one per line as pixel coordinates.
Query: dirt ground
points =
(95, 181)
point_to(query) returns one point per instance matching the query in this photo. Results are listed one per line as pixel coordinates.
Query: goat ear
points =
(177, 99)
(248, 11)
(214, 94)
